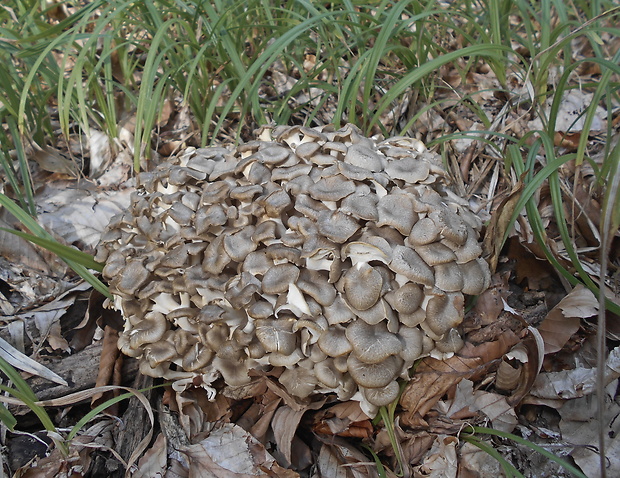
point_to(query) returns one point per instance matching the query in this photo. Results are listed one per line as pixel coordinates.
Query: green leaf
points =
(7, 418)
(37, 230)
(62, 251)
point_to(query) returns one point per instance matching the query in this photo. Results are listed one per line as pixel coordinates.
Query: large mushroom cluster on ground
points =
(328, 259)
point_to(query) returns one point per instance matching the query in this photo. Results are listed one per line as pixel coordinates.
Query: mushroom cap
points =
(373, 375)
(336, 257)
(362, 286)
(382, 396)
(372, 343)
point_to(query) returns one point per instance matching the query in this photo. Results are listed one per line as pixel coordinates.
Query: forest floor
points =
(528, 368)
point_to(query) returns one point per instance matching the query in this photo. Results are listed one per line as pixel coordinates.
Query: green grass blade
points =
(23, 392)
(37, 230)
(24, 168)
(100, 408)
(7, 418)
(563, 463)
(264, 62)
(62, 251)
(508, 467)
(483, 50)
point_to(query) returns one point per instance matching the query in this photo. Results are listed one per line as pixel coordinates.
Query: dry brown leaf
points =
(500, 222)
(476, 463)
(519, 368)
(191, 416)
(154, 462)
(490, 303)
(284, 424)
(77, 211)
(340, 459)
(529, 266)
(257, 418)
(109, 361)
(25, 363)
(575, 383)
(433, 378)
(231, 452)
(578, 427)
(565, 318)
(100, 153)
(56, 465)
(47, 318)
(17, 250)
(494, 406)
(51, 160)
(344, 419)
(441, 461)
(570, 116)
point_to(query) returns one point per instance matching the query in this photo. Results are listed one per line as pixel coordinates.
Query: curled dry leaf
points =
(520, 367)
(284, 424)
(500, 223)
(110, 363)
(565, 318)
(343, 419)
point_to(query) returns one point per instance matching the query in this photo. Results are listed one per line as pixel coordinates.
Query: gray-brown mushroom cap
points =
(322, 258)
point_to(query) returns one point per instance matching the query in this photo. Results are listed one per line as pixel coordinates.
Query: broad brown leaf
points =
(433, 378)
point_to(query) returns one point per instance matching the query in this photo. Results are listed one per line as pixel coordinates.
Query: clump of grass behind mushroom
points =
(336, 257)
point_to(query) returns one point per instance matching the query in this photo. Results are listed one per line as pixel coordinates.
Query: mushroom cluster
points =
(335, 258)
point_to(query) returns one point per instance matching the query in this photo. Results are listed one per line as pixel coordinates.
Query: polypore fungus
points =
(339, 258)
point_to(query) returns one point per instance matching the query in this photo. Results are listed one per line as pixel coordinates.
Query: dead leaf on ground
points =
(51, 160)
(231, 452)
(571, 115)
(441, 461)
(154, 462)
(338, 458)
(433, 378)
(77, 211)
(493, 241)
(476, 463)
(554, 387)
(489, 304)
(25, 363)
(110, 363)
(520, 366)
(56, 465)
(565, 318)
(344, 419)
(578, 416)
(44, 322)
(494, 406)
(284, 424)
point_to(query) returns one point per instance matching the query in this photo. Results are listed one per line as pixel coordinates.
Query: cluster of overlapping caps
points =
(337, 257)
